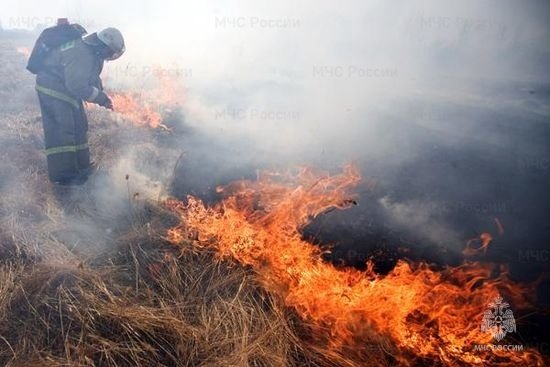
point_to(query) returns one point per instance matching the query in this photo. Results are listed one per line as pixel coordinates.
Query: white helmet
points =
(114, 40)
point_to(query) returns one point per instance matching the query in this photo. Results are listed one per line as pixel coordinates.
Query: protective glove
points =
(104, 101)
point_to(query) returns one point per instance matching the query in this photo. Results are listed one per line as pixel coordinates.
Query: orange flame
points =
(163, 94)
(482, 242)
(426, 313)
(139, 113)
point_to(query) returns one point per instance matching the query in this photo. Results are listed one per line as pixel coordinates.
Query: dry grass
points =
(145, 303)
(143, 314)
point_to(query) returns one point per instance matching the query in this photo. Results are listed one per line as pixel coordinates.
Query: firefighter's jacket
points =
(71, 75)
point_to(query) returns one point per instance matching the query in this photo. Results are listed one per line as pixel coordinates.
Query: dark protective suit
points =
(69, 77)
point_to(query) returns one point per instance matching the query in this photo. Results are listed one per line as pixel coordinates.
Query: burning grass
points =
(427, 314)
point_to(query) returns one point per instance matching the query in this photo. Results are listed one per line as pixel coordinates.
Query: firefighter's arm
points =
(102, 98)
(77, 72)
(78, 82)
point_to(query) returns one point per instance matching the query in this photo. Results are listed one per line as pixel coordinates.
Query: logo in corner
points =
(498, 319)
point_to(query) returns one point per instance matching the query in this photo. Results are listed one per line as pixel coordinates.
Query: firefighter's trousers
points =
(65, 132)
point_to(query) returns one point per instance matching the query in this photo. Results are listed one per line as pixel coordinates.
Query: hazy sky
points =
(403, 34)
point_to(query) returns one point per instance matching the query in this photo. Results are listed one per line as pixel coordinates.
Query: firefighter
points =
(70, 74)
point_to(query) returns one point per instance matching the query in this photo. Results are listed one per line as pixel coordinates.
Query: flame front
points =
(140, 113)
(427, 314)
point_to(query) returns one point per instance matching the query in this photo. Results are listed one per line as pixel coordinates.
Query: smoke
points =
(439, 103)
(422, 218)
